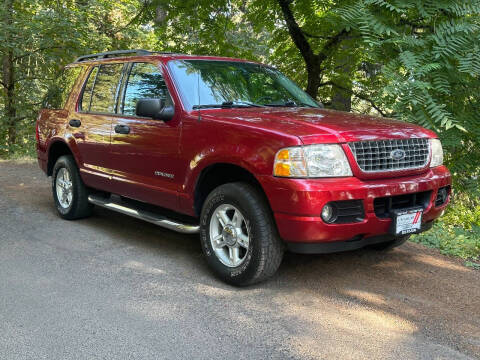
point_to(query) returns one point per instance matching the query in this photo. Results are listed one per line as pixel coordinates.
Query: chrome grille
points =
(376, 156)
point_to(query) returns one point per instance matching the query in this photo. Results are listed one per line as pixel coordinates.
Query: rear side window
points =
(101, 89)
(59, 92)
(87, 91)
(144, 82)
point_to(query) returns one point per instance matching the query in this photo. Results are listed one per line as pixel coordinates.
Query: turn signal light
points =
(282, 169)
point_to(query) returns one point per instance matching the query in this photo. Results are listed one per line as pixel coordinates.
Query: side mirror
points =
(155, 109)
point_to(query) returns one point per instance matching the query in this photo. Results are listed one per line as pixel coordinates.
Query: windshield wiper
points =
(241, 103)
(291, 103)
(227, 104)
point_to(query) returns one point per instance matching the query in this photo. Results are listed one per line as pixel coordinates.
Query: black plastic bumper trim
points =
(356, 243)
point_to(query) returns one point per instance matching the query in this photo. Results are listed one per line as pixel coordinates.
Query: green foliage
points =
(457, 233)
(45, 35)
(472, 265)
(205, 27)
(453, 240)
(429, 56)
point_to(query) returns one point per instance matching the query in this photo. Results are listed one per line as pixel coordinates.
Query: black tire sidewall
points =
(245, 272)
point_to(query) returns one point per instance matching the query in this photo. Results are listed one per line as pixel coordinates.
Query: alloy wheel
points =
(64, 188)
(229, 235)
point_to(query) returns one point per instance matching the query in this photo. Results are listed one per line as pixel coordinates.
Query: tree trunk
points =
(341, 99)
(8, 74)
(9, 97)
(313, 61)
(344, 65)
(314, 80)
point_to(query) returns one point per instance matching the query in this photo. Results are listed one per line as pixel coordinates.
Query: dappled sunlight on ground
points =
(439, 262)
(366, 296)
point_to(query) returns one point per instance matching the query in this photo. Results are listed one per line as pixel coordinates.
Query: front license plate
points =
(408, 221)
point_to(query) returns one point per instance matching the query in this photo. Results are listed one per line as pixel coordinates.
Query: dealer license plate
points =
(407, 221)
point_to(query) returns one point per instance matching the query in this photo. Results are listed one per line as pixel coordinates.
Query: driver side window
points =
(144, 82)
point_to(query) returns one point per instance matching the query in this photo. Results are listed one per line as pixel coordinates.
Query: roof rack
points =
(117, 53)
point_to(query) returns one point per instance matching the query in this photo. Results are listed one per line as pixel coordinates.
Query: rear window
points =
(59, 92)
(100, 90)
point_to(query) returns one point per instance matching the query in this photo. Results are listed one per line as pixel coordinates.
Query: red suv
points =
(235, 151)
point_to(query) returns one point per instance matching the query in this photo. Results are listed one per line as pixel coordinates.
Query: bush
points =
(457, 233)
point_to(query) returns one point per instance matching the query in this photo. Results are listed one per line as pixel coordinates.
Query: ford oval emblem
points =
(398, 154)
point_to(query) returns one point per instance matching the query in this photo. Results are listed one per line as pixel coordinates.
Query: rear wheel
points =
(69, 192)
(389, 245)
(238, 234)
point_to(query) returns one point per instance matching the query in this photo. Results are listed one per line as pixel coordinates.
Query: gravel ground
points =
(114, 287)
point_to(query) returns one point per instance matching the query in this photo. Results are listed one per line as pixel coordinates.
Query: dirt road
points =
(115, 287)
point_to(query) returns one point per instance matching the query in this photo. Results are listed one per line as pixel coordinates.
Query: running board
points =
(144, 215)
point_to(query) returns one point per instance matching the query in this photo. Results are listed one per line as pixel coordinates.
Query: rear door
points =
(145, 151)
(93, 122)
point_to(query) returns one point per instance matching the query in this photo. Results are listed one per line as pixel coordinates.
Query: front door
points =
(145, 151)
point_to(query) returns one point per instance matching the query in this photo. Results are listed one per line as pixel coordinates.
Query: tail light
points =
(37, 133)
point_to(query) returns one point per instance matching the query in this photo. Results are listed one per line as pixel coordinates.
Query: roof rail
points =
(117, 53)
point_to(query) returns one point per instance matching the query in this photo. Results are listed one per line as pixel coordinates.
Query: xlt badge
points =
(164, 174)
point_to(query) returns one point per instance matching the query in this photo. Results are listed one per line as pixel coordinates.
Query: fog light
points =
(442, 196)
(328, 213)
(442, 193)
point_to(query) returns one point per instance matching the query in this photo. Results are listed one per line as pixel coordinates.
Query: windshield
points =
(219, 84)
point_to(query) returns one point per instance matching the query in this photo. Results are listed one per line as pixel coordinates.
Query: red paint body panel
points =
(246, 137)
(297, 203)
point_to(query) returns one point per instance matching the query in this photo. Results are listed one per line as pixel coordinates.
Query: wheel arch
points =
(218, 174)
(56, 149)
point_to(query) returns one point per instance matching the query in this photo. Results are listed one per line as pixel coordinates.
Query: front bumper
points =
(347, 245)
(297, 203)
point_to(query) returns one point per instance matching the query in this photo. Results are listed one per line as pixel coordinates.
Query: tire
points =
(75, 205)
(389, 245)
(263, 255)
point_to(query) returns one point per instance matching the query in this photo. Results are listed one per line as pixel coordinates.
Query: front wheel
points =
(69, 191)
(238, 234)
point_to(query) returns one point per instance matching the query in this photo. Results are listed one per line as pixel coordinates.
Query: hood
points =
(315, 126)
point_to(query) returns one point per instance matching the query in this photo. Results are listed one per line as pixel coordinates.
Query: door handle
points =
(122, 129)
(75, 123)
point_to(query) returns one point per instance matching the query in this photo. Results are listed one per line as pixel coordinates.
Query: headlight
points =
(437, 153)
(314, 161)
